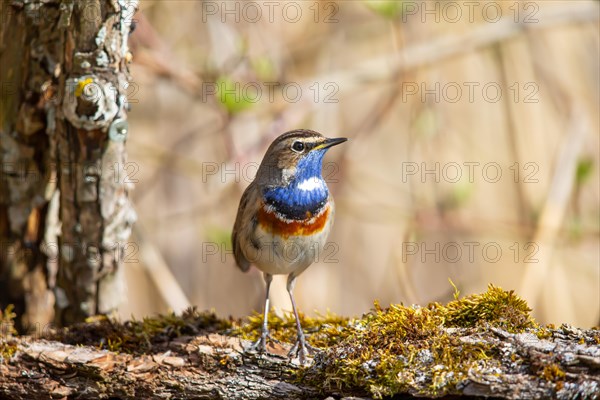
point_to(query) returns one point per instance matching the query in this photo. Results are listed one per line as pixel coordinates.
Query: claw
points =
(260, 346)
(301, 349)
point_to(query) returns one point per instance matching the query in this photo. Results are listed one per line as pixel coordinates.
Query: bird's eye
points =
(298, 147)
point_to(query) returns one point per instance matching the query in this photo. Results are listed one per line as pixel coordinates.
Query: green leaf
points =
(234, 95)
(584, 170)
(462, 192)
(220, 237)
(386, 8)
(264, 68)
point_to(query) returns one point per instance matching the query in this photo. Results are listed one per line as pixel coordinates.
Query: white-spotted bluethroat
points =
(285, 216)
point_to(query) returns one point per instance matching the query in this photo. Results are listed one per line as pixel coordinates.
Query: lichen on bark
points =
(65, 214)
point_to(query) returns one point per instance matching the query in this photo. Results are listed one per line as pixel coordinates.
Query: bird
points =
(284, 218)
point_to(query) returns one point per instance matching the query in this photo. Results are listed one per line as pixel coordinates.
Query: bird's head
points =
(295, 155)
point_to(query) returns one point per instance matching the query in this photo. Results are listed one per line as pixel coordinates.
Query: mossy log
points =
(215, 366)
(480, 345)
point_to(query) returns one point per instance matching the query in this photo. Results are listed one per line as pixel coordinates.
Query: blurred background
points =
(473, 153)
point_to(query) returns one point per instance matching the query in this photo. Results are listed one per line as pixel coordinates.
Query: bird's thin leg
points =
(301, 348)
(261, 344)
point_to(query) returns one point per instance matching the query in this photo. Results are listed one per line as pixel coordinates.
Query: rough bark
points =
(65, 216)
(215, 366)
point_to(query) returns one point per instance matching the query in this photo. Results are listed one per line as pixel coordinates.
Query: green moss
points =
(544, 332)
(426, 351)
(322, 331)
(420, 350)
(7, 330)
(495, 307)
(140, 336)
(396, 349)
(7, 350)
(500, 308)
(7, 325)
(553, 373)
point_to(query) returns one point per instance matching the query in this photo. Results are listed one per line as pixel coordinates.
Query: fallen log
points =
(480, 345)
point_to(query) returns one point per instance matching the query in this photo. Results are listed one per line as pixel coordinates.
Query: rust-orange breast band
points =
(271, 223)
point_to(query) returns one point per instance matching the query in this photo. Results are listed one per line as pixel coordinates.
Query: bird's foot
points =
(260, 346)
(301, 349)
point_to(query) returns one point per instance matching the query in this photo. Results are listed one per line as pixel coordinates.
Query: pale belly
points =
(280, 255)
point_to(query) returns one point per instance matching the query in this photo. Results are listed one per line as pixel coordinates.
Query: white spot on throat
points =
(311, 184)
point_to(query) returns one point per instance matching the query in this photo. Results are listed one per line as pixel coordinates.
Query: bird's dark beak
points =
(329, 143)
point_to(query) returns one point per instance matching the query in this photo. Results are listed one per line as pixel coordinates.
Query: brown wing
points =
(244, 216)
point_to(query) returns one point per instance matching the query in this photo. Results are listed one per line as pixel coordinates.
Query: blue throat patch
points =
(293, 202)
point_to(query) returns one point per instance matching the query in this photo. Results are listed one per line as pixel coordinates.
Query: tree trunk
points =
(65, 215)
